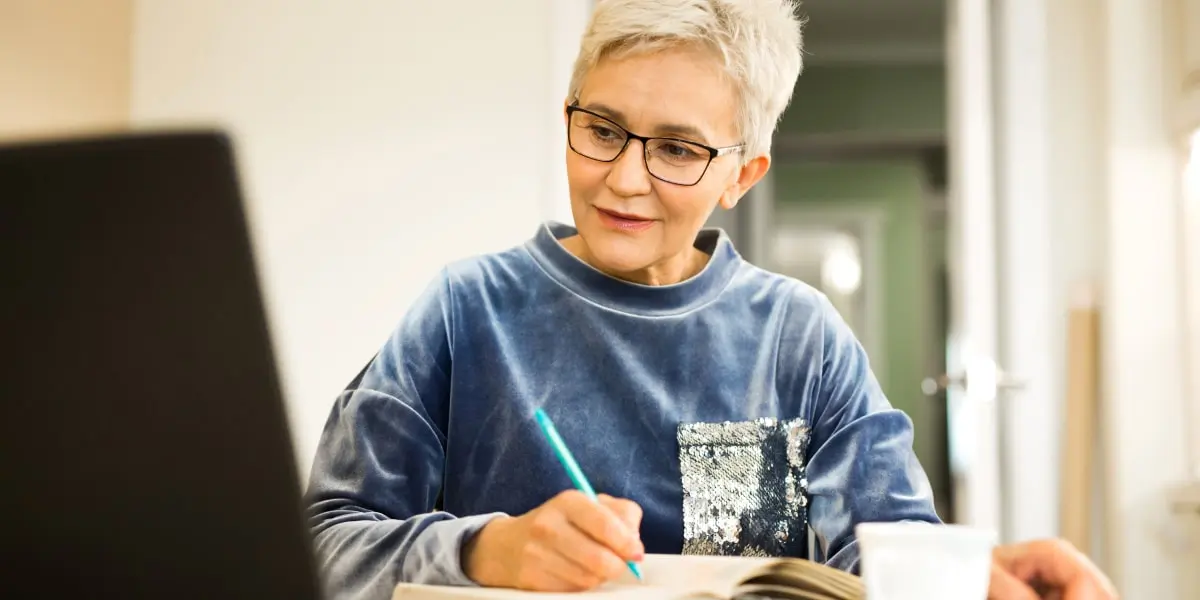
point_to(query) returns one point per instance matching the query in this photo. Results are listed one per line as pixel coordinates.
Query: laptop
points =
(144, 450)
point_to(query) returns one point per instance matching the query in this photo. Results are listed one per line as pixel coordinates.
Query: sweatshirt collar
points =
(634, 298)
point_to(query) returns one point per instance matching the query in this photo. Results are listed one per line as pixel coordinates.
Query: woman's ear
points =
(750, 173)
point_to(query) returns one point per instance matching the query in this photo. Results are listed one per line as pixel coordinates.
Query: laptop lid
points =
(145, 447)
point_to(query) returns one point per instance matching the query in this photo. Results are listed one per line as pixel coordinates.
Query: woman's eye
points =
(605, 133)
(678, 151)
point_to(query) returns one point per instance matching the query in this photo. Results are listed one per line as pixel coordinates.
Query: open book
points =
(685, 578)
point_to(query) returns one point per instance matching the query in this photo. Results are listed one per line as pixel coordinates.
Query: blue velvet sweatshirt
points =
(736, 408)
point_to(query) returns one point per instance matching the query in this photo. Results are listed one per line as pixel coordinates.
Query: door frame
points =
(973, 340)
(1190, 242)
(1032, 340)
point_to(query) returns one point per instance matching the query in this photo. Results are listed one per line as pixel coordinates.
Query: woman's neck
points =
(669, 271)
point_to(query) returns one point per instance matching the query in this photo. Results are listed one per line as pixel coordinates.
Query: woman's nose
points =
(629, 176)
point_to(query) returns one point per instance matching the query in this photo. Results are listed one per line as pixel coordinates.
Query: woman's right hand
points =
(568, 544)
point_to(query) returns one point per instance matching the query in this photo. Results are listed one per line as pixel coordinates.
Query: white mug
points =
(923, 561)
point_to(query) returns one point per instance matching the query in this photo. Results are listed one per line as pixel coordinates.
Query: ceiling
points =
(874, 31)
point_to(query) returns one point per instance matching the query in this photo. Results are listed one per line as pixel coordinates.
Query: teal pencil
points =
(572, 467)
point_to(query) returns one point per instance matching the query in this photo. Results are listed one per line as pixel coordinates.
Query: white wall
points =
(1144, 403)
(378, 139)
(1091, 161)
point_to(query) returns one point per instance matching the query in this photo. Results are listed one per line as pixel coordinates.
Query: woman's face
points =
(632, 224)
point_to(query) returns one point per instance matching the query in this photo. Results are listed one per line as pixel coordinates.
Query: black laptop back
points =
(145, 451)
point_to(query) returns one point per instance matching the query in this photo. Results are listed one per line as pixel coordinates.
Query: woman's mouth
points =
(623, 221)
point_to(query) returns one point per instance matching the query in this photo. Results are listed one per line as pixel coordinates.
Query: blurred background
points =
(994, 193)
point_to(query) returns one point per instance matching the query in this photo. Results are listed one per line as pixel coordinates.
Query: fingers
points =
(569, 544)
(1004, 586)
(626, 510)
(597, 561)
(580, 558)
(557, 573)
(543, 580)
(603, 524)
(1058, 565)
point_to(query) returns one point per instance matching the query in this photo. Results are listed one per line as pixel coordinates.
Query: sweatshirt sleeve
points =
(862, 467)
(373, 491)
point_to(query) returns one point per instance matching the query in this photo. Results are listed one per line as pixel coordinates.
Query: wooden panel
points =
(64, 66)
(1079, 444)
(1191, 44)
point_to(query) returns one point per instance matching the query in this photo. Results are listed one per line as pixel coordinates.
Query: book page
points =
(803, 579)
(665, 577)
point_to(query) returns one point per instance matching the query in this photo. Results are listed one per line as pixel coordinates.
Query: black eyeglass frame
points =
(713, 153)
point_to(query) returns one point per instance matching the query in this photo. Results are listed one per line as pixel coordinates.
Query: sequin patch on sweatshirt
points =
(744, 487)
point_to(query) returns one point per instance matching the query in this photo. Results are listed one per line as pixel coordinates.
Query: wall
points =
(874, 99)
(379, 140)
(63, 66)
(1104, 89)
(1144, 397)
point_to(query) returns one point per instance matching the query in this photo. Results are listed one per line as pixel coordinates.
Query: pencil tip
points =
(637, 571)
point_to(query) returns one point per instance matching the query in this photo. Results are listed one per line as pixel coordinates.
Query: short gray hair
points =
(759, 42)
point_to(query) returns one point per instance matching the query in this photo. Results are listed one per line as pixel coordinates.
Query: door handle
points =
(932, 386)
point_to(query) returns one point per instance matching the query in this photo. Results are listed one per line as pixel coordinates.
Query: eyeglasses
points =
(667, 159)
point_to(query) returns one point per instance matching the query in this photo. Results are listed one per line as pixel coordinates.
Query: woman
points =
(726, 409)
